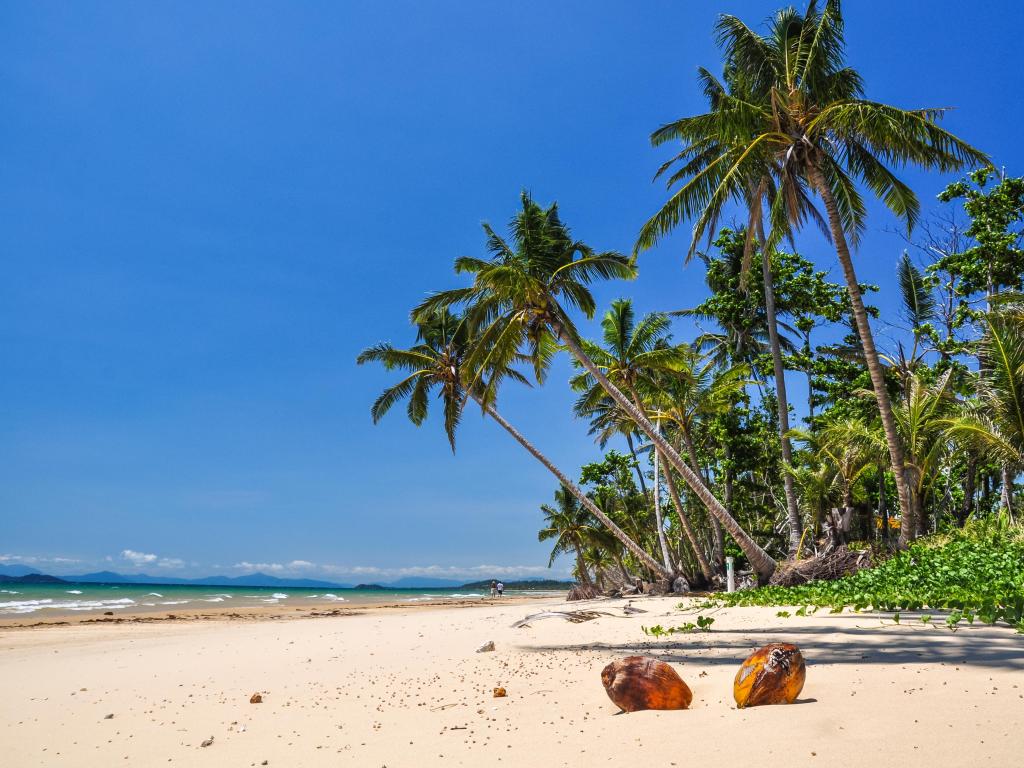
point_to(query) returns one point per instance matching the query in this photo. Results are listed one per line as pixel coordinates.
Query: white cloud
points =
(245, 565)
(138, 558)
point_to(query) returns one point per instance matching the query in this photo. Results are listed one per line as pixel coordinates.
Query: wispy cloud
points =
(245, 565)
(36, 560)
(138, 558)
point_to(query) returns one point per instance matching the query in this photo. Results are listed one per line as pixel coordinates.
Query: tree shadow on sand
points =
(971, 645)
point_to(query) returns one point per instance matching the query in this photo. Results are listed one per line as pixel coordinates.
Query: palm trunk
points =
(659, 520)
(636, 464)
(1006, 494)
(908, 524)
(883, 510)
(969, 478)
(792, 508)
(582, 572)
(585, 500)
(702, 561)
(762, 563)
(717, 538)
(810, 376)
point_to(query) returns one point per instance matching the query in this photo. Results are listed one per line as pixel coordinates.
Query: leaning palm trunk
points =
(908, 524)
(636, 464)
(581, 570)
(702, 561)
(762, 563)
(658, 518)
(585, 500)
(717, 539)
(792, 509)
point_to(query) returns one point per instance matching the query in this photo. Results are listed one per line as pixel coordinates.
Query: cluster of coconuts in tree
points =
(773, 674)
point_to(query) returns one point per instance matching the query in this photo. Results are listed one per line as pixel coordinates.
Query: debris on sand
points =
(576, 617)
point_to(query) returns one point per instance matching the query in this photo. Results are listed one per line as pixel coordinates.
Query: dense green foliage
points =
(976, 571)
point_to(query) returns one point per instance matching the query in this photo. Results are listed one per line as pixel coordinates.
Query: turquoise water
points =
(45, 600)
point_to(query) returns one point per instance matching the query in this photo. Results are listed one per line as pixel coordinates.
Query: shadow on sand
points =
(836, 642)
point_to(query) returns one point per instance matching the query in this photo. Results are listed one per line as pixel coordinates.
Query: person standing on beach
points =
(501, 588)
(494, 588)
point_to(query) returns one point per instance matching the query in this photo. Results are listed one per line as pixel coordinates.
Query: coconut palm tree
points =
(747, 334)
(517, 297)
(995, 425)
(809, 130)
(571, 527)
(437, 362)
(632, 352)
(922, 415)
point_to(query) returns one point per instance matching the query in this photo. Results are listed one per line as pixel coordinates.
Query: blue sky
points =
(209, 209)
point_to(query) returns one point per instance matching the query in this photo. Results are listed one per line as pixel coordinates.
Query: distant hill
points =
(30, 578)
(421, 582)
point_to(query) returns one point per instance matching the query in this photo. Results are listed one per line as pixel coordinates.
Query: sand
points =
(406, 688)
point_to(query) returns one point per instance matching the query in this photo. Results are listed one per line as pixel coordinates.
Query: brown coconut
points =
(772, 675)
(639, 682)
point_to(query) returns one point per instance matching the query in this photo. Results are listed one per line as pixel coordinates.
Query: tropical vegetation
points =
(919, 432)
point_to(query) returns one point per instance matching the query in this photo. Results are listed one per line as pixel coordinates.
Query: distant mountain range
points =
(110, 577)
(26, 574)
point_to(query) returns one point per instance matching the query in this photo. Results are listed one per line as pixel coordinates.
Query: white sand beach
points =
(403, 688)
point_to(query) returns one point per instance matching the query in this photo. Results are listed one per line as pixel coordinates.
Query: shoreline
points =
(278, 612)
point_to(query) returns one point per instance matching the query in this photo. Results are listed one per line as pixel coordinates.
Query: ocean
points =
(45, 600)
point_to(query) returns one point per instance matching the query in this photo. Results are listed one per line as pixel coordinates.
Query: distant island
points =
(22, 574)
(31, 578)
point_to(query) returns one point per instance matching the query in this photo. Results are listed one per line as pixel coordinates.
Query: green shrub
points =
(974, 572)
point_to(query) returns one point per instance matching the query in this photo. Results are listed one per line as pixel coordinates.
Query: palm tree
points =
(744, 338)
(632, 353)
(569, 524)
(437, 362)
(844, 451)
(922, 416)
(996, 425)
(807, 129)
(517, 298)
